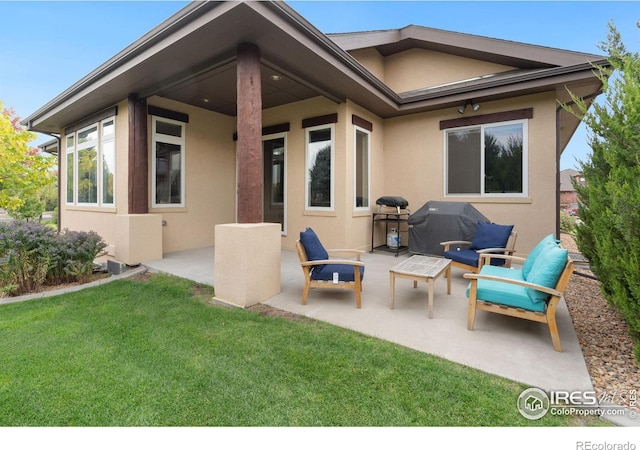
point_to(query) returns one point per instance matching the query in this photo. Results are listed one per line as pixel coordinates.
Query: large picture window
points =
(319, 165)
(487, 160)
(90, 163)
(361, 175)
(168, 162)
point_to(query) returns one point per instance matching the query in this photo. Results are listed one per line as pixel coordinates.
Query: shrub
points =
(567, 223)
(33, 255)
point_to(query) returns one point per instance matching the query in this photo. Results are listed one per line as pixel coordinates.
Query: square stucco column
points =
(138, 238)
(247, 263)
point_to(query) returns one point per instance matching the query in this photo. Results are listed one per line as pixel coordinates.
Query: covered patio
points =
(512, 348)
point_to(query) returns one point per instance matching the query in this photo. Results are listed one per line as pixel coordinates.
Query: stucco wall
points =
(329, 225)
(100, 220)
(407, 159)
(419, 68)
(372, 60)
(414, 167)
(209, 181)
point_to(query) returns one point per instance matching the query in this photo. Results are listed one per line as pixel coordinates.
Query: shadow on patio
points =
(513, 348)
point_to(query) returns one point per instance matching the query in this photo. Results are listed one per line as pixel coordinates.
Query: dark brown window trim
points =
(319, 120)
(272, 129)
(516, 114)
(168, 114)
(362, 123)
(97, 117)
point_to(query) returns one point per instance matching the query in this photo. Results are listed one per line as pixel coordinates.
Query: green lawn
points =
(155, 353)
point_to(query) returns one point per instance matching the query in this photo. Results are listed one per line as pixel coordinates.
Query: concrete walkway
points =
(516, 349)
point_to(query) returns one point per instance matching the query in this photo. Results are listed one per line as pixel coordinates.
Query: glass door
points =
(274, 180)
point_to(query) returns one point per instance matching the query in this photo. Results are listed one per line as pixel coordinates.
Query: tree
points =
(320, 179)
(23, 169)
(610, 198)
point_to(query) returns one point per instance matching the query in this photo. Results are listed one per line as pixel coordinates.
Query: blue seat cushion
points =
(326, 271)
(490, 235)
(505, 293)
(312, 246)
(469, 257)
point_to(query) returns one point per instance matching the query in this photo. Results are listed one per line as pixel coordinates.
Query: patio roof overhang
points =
(191, 58)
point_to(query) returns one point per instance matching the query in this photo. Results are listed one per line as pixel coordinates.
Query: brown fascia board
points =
(545, 77)
(505, 52)
(163, 31)
(495, 90)
(194, 16)
(324, 45)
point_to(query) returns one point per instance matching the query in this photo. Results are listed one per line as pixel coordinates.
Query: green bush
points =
(33, 255)
(567, 223)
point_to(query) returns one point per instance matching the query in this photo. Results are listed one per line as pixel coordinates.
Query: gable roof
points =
(499, 51)
(190, 57)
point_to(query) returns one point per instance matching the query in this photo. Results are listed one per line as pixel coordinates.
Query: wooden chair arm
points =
(447, 244)
(346, 252)
(319, 262)
(537, 287)
(492, 250)
(489, 256)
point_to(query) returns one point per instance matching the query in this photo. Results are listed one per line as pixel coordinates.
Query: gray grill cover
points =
(437, 222)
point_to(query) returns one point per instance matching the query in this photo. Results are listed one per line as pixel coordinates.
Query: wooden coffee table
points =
(421, 268)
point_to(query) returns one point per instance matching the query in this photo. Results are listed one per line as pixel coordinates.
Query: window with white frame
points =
(487, 160)
(168, 162)
(90, 164)
(361, 168)
(319, 167)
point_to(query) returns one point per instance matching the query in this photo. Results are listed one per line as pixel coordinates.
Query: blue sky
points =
(46, 46)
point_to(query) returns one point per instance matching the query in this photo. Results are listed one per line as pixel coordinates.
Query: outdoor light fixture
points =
(474, 106)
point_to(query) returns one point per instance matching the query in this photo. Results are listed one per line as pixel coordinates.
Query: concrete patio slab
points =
(513, 348)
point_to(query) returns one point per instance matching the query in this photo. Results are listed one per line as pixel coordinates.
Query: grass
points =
(156, 353)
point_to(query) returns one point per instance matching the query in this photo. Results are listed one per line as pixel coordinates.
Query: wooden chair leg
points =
(358, 287)
(553, 329)
(471, 315)
(305, 291)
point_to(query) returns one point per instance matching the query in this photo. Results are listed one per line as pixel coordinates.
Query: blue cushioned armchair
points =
(532, 292)
(488, 238)
(322, 272)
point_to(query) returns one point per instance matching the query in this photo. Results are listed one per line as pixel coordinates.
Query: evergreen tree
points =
(609, 235)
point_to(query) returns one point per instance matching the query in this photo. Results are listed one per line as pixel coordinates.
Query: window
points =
(91, 151)
(168, 163)
(487, 160)
(319, 168)
(361, 174)
(108, 161)
(71, 149)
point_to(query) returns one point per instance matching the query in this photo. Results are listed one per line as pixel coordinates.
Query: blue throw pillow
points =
(312, 245)
(531, 258)
(546, 270)
(490, 235)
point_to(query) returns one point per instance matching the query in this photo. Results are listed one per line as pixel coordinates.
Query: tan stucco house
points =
(245, 112)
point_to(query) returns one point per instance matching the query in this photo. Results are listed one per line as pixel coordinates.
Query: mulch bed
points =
(604, 337)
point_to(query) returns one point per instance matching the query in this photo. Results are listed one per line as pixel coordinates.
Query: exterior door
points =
(274, 180)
